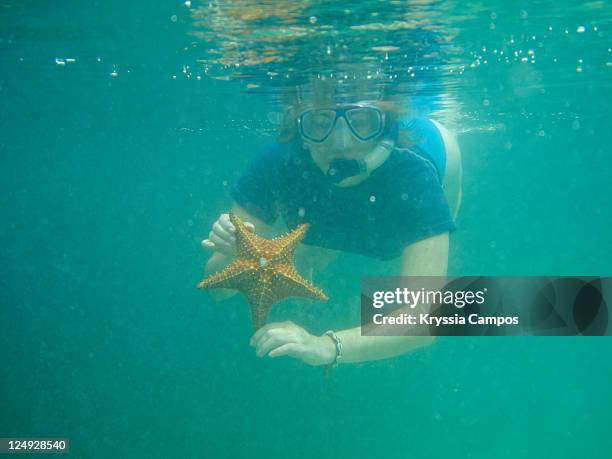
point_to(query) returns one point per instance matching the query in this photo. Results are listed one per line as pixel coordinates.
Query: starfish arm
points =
(260, 298)
(259, 316)
(238, 275)
(285, 245)
(248, 244)
(289, 283)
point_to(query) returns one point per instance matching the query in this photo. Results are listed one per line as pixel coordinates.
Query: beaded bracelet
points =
(338, 343)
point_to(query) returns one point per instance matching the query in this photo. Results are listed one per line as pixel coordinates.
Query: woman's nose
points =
(342, 136)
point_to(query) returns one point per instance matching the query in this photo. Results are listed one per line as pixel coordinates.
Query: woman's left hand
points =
(287, 338)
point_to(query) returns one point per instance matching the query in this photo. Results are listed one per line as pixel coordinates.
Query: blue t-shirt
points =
(401, 202)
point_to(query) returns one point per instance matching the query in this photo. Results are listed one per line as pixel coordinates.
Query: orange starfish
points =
(263, 271)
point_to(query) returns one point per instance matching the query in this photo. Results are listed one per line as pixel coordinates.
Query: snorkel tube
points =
(341, 168)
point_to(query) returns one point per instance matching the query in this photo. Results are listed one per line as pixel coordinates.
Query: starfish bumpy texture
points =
(264, 271)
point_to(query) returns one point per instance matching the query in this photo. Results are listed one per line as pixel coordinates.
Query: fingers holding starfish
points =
(222, 235)
(286, 338)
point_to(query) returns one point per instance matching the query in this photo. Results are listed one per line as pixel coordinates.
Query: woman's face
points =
(341, 143)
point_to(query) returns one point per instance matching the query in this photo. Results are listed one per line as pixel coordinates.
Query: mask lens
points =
(366, 122)
(317, 124)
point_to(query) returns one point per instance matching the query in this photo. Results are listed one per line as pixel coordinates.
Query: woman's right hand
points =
(222, 237)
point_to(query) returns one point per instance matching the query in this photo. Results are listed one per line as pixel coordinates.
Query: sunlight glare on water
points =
(490, 60)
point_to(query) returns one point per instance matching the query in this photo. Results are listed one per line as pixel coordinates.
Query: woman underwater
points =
(369, 179)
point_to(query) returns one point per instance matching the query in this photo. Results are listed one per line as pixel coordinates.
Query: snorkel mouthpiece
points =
(340, 168)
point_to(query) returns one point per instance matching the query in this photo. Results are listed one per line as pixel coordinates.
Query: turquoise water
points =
(115, 165)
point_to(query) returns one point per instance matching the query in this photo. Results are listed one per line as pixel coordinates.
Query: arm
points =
(428, 257)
